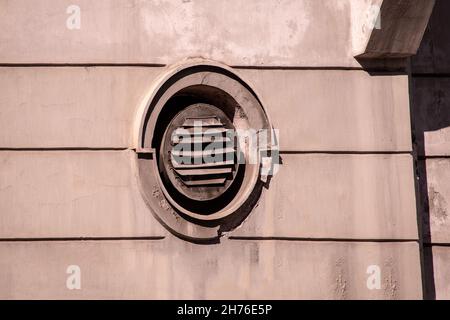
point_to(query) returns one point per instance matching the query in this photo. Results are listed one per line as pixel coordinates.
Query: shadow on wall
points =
(430, 111)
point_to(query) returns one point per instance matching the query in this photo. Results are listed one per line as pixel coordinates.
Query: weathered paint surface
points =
(95, 107)
(347, 176)
(95, 194)
(440, 270)
(338, 196)
(300, 33)
(438, 199)
(174, 269)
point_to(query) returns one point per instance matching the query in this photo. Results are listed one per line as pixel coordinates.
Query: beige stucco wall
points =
(344, 198)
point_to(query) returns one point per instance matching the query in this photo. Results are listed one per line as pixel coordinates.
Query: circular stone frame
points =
(205, 82)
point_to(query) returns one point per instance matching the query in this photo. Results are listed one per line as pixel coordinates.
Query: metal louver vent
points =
(201, 153)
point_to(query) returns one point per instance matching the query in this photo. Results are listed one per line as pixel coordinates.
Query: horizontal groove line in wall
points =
(430, 75)
(64, 149)
(298, 68)
(381, 71)
(436, 244)
(346, 152)
(81, 65)
(236, 238)
(433, 157)
(158, 65)
(163, 65)
(123, 149)
(79, 239)
(245, 238)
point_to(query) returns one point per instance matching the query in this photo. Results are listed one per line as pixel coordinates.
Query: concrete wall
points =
(431, 111)
(344, 198)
